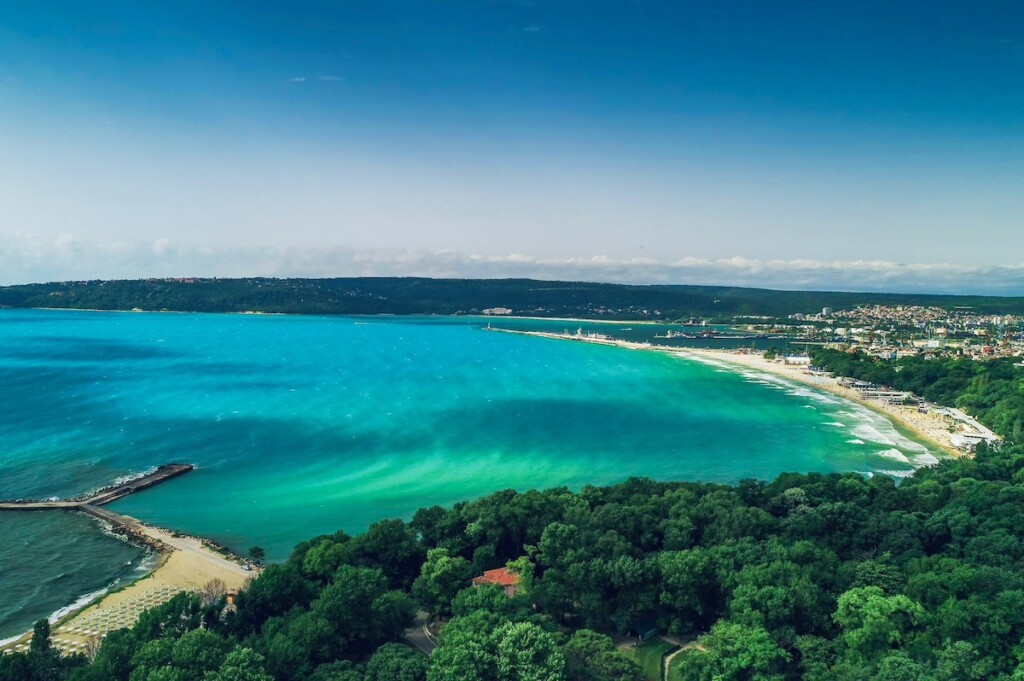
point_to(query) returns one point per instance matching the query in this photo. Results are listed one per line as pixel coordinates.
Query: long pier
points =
(91, 503)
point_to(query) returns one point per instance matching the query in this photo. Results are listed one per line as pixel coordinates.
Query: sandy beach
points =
(184, 564)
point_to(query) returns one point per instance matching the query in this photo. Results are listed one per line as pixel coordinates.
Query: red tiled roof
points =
(499, 576)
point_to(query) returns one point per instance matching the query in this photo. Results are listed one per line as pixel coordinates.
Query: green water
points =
(306, 425)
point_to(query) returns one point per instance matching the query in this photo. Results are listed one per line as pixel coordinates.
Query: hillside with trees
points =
(413, 295)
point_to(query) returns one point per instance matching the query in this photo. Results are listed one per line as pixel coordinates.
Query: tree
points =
(733, 652)
(286, 659)
(152, 655)
(468, 660)
(781, 597)
(324, 558)
(162, 674)
(113, 660)
(525, 652)
(690, 588)
(92, 646)
(441, 578)
(257, 554)
(896, 667)
(392, 547)
(874, 624)
(241, 664)
(191, 656)
(481, 647)
(40, 637)
(341, 670)
(212, 591)
(591, 656)
(396, 662)
(428, 523)
(314, 635)
(881, 574)
(361, 610)
(277, 590)
(962, 661)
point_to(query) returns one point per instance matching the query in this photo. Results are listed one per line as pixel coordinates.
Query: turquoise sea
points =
(305, 425)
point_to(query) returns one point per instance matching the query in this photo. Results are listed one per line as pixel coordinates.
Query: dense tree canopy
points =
(808, 577)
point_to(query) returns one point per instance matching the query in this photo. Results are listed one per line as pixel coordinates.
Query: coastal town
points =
(894, 331)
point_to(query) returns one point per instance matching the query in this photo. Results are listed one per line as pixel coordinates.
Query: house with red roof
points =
(509, 581)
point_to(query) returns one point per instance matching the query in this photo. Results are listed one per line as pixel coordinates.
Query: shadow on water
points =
(82, 349)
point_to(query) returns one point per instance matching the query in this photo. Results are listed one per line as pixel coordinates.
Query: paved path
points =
(666, 663)
(418, 636)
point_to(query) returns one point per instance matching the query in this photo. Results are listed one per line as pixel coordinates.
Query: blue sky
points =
(864, 145)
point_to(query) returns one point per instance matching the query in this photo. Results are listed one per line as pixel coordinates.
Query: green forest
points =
(417, 295)
(991, 391)
(808, 577)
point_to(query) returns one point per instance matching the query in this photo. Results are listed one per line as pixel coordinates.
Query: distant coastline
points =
(423, 295)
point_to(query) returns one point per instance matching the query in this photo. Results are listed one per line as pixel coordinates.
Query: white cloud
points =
(28, 258)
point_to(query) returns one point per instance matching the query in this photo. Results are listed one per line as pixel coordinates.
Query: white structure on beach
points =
(971, 432)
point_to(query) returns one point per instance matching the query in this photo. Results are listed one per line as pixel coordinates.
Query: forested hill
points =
(399, 295)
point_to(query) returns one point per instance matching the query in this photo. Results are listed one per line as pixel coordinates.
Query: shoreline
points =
(928, 428)
(182, 563)
(578, 320)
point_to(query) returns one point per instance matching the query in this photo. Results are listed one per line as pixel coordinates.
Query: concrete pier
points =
(91, 503)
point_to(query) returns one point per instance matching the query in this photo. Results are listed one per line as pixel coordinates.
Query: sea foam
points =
(894, 454)
(871, 434)
(897, 473)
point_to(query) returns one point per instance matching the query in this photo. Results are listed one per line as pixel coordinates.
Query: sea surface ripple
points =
(306, 425)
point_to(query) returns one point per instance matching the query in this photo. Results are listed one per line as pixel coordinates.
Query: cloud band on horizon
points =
(26, 258)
